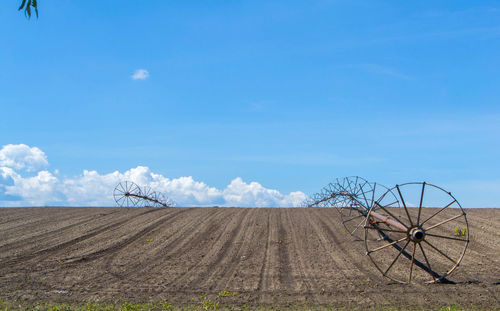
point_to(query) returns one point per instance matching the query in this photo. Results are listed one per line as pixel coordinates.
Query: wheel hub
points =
(417, 235)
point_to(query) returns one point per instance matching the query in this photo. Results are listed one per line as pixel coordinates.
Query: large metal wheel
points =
(424, 240)
(127, 194)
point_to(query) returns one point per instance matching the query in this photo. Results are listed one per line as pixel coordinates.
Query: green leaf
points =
(27, 11)
(22, 5)
(35, 5)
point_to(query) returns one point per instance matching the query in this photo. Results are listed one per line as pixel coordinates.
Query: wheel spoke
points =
(387, 245)
(412, 261)
(349, 219)
(348, 185)
(443, 222)
(420, 205)
(373, 194)
(438, 212)
(400, 252)
(389, 205)
(389, 230)
(427, 261)
(439, 251)
(121, 186)
(358, 226)
(404, 205)
(367, 206)
(350, 210)
(446, 237)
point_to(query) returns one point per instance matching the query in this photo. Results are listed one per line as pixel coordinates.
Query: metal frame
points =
(390, 228)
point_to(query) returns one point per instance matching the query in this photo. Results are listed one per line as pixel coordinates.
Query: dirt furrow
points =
(193, 259)
(32, 228)
(226, 257)
(269, 276)
(186, 231)
(245, 274)
(61, 245)
(286, 278)
(35, 239)
(334, 233)
(265, 271)
(123, 242)
(309, 285)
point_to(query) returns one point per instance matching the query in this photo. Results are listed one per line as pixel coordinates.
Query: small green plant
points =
(149, 240)
(2, 304)
(127, 306)
(94, 307)
(208, 305)
(460, 232)
(164, 306)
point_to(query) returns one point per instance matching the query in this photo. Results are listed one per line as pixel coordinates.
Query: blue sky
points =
(288, 94)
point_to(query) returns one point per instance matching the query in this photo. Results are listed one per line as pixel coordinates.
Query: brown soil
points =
(269, 256)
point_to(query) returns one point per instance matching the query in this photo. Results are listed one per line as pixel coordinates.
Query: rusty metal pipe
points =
(145, 198)
(389, 221)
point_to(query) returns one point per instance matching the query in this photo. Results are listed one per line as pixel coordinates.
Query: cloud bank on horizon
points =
(25, 181)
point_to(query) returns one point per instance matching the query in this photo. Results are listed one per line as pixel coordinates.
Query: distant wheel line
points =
(129, 194)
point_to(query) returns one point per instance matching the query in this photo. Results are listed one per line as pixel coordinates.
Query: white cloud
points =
(22, 157)
(140, 74)
(95, 189)
(37, 189)
(239, 193)
(186, 190)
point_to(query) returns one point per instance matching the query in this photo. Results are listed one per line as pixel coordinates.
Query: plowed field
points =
(269, 256)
